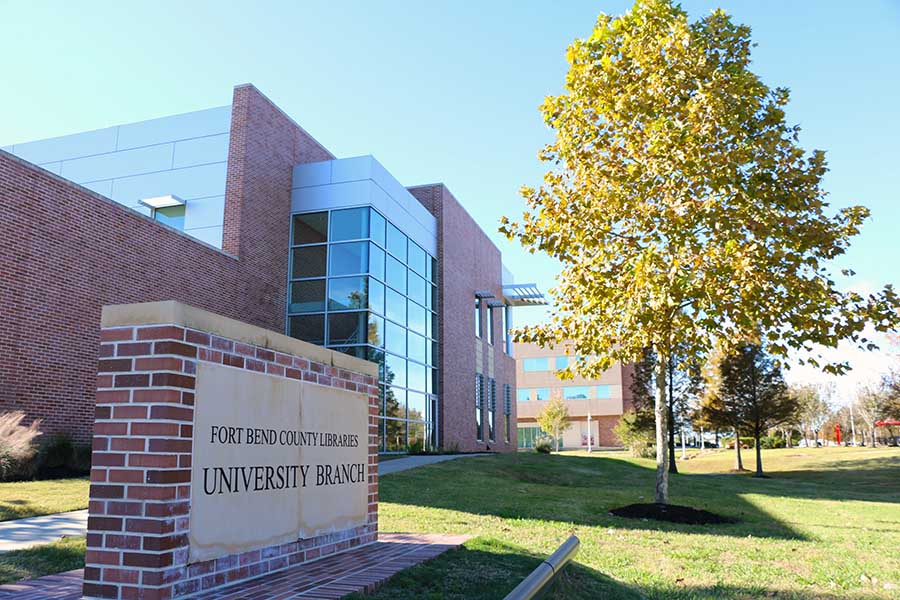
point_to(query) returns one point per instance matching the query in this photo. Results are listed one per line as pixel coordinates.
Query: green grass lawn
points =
(64, 555)
(825, 525)
(20, 499)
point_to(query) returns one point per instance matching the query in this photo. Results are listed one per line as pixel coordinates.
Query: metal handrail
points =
(538, 580)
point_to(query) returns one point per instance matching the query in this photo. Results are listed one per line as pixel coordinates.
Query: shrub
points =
(636, 432)
(771, 441)
(544, 444)
(17, 447)
(57, 453)
(61, 457)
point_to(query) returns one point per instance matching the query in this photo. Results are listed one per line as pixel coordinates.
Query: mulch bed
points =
(673, 513)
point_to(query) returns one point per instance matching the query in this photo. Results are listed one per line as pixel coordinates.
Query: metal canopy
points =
(484, 294)
(523, 294)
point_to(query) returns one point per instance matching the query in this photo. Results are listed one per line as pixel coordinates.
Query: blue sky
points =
(445, 91)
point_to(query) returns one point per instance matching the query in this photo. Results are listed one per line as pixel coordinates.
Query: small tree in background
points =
(872, 404)
(682, 208)
(753, 390)
(714, 408)
(813, 409)
(555, 417)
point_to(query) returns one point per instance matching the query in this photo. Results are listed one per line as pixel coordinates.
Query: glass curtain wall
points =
(359, 285)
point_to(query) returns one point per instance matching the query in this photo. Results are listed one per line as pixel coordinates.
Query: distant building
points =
(604, 398)
(238, 210)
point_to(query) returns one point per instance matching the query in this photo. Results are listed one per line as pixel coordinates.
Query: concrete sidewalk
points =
(23, 533)
(411, 462)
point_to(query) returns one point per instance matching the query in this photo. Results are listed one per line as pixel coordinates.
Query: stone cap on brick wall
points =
(170, 312)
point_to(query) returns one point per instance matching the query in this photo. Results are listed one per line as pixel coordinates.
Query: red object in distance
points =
(837, 433)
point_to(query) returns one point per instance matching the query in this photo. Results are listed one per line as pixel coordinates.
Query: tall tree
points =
(872, 404)
(754, 390)
(555, 418)
(813, 409)
(681, 206)
(714, 410)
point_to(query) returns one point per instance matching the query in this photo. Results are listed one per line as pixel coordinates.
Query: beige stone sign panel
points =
(274, 460)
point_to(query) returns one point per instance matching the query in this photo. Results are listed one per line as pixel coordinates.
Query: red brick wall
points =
(467, 261)
(138, 525)
(65, 252)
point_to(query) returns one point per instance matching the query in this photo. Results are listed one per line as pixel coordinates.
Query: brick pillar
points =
(140, 497)
(140, 476)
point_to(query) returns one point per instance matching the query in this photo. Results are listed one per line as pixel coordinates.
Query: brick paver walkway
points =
(357, 570)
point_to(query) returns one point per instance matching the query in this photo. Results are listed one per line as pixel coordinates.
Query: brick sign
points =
(275, 460)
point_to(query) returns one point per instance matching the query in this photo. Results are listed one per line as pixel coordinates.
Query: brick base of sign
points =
(140, 497)
(358, 570)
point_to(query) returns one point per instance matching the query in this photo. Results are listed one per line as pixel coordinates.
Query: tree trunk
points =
(717, 437)
(787, 439)
(874, 441)
(702, 442)
(556, 437)
(756, 436)
(738, 463)
(661, 412)
(673, 468)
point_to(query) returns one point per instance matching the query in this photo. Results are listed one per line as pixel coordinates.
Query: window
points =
(576, 392)
(417, 258)
(395, 307)
(376, 261)
(535, 364)
(346, 293)
(415, 379)
(478, 317)
(395, 338)
(348, 259)
(347, 329)
(360, 286)
(542, 394)
(396, 274)
(528, 435)
(309, 328)
(375, 334)
(418, 289)
(307, 296)
(504, 331)
(416, 436)
(396, 242)
(416, 315)
(416, 347)
(523, 394)
(415, 406)
(173, 216)
(490, 325)
(376, 227)
(507, 410)
(376, 296)
(395, 370)
(492, 409)
(310, 228)
(349, 224)
(603, 392)
(479, 398)
(395, 403)
(562, 362)
(308, 262)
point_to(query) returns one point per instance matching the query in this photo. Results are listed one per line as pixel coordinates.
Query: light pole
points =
(589, 432)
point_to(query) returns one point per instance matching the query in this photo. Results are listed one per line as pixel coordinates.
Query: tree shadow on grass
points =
(486, 569)
(576, 490)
